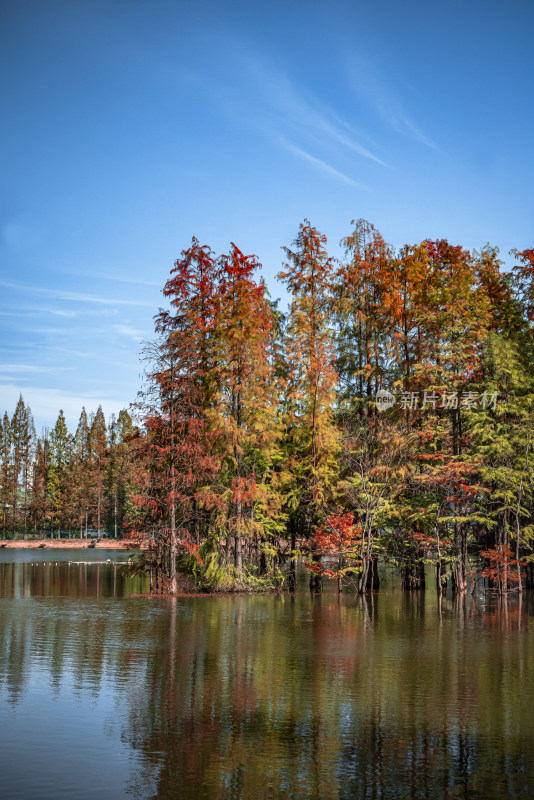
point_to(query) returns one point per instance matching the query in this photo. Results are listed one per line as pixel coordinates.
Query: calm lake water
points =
(108, 695)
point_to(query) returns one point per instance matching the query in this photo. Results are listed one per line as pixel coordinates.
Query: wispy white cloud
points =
(77, 297)
(112, 276)
(397, 118)
(368, 82)
(127, 330)
(30, 311)
(287, 112)
(24, 368)
(317, 162)
(90, 353)
(21, 373)
(43, 330)
(304, 112)
(67, 351)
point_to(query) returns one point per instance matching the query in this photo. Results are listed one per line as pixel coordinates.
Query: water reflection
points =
(395, 695)
(67, 579)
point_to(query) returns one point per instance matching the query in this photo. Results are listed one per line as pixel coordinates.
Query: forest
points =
(385, 416)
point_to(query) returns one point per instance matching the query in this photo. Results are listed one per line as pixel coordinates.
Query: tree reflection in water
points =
(395, 695)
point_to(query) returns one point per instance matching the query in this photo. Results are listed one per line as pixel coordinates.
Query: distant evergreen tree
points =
(59, 487)
(81, 470)
(119, 469)
(22, 441)
(6, 481)
(97, 444)
(40, 507)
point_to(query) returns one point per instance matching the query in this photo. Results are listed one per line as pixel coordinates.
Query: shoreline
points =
(74, 544)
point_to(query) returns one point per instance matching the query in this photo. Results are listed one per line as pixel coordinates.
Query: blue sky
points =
(131, 125)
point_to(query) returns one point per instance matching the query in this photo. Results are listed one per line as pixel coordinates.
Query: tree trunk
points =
(173, 582)
(363, 582)
(414, 577)
(458, 576)
(292, 582)
(315, 578)
(369, 580)
(238, 553)
(375, 580)
(441, 578)
(262, 559)
(459, 579)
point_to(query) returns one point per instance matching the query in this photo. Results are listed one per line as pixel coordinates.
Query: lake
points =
(104, 694)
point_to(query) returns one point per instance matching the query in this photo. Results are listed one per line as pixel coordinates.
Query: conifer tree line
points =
(259, 437)
(262, 439)
(62, 482)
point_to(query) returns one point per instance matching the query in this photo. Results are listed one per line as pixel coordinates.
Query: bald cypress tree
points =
(246, 421)
(312, 441)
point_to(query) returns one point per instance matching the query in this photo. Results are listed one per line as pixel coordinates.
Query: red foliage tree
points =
(336, 546)
(499, 568)
(176, 459)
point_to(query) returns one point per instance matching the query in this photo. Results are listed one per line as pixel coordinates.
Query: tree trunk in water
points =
(369, 580)
(173, 582)
(441, 579)
(413, 577)
(375, 579)
(262, 559)
(529, 584)
(362, 583)
(315, 578)
(519, 579)
(292, 583)
(238, 540)
(458, 576)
